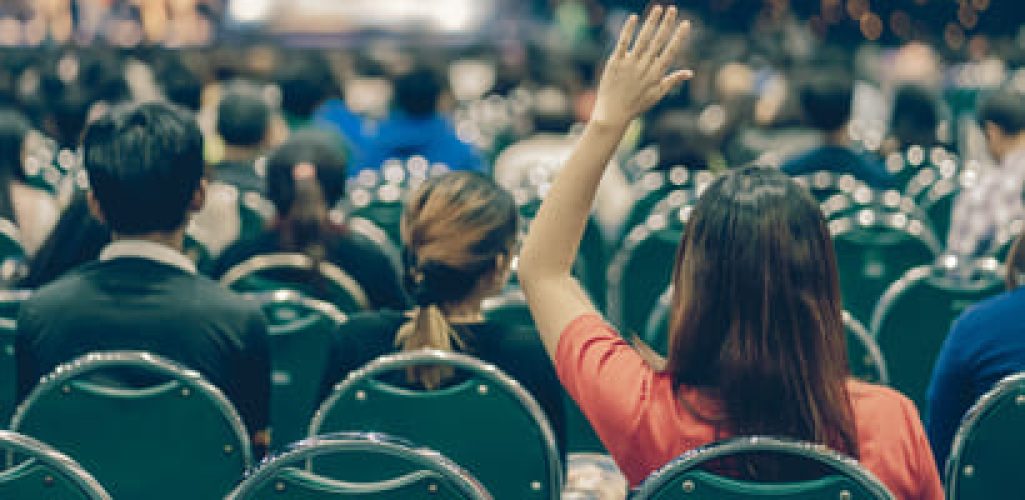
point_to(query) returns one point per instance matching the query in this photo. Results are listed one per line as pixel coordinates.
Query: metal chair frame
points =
(158, 365)
(36, 450)
(1007, 386)
(269, 261)
(357, 442)
(914, 275)
(492, 374)
(693, 459)
(678, 203)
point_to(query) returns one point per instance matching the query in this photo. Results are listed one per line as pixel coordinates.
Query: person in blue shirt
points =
(986, 344)
(826, 101)
(417, 128)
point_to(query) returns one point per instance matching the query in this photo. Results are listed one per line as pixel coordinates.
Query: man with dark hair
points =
(417, 128)
(985, 210)
(826, 102)
(243, 122)
(145, 169)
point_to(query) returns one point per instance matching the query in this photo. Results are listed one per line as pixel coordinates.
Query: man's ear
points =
(94, 207)
(198, 197)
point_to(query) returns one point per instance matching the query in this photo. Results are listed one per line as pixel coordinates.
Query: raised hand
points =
(635, 78)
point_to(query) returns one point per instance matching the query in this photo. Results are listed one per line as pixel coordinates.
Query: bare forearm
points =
(555, 233)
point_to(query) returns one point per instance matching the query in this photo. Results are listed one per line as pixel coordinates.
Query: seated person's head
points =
(680, 140)
(306, 82)
(145, 168)
(180, 84)
(418, 92)
(305, 179)
(826, 102)
(243, 117)
(915, 116)
(458, 234)
(756, 312)
(1002, 117)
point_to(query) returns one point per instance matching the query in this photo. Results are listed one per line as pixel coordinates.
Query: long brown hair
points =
(454, 228)
(756, 316)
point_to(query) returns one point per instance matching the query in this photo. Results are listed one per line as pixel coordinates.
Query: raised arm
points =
(635, 78)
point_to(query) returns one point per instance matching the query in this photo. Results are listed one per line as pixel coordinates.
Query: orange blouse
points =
(644, 425)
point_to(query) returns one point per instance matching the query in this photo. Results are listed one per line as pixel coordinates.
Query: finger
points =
(647, 30)
(675, 44)
(665, 28)
(625, 35)
(674, 79)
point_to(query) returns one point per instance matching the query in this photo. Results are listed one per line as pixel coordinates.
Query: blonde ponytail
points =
(428, 329)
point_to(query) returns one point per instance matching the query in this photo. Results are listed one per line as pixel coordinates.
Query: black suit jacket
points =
(133, 303)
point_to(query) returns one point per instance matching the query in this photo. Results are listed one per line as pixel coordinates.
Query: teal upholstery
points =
(638, 273)
(486, 422)
(688, 477)
(301, 332)
(426, 473)
(873, 249)
(174, 437)
(915, 314)
(989, 447)
(510, 308)
(10, 302)
(34, 470)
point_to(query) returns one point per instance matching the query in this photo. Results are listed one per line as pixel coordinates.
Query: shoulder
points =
(882, 410)
(63, 290)
(993, 316)
(242, 250)
(382, 322)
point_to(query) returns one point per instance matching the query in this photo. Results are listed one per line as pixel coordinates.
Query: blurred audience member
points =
(915, 118)
(32, 210)
(826, 101)
(145, 169)
(306, 178)
(417, 127)
(243, 124)
(989, 206)
(985, 344)
(459, 233)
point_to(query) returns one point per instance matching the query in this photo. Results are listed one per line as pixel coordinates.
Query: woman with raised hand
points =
(756, 337)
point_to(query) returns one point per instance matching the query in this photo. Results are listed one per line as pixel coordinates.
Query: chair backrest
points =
(988, 449)
(145, 427)
(655, 186)
(486, 422)
(294, 271)
(379, 195)
(915, 313)
(688, 477)
(824, 184)
(641, 269)
(430, 475)
(36, 470)
(510, 308)
(10, 303)
(875, 248)
(301, 330)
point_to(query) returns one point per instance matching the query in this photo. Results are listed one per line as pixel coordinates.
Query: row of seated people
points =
(126, 295)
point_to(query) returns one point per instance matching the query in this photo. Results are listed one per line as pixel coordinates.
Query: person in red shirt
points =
(756, 336)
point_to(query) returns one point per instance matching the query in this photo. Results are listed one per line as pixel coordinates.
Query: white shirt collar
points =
(150, 251)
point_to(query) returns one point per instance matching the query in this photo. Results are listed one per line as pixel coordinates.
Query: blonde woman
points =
(458, 232)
